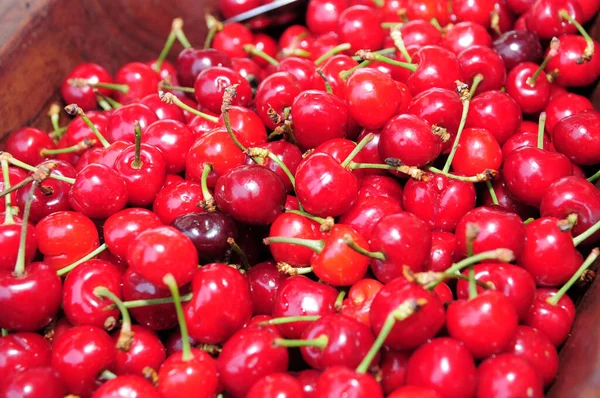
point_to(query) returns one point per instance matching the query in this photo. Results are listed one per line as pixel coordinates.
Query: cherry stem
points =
(465, 95)
(595, 177)
(260, 153)
(238, 250)
(481, 284)
(318, 342)
(390, 25)
(136, 164)
(126, 334)
(333, 51)
(8, 215)
(113, 103)
(339, 301)
(541, 126)
(586, 234)
(328, 88)
(588, 52)
(554, 47)
(348, 241)
(54, 113)
(214, 26)
(57, 134)
(586, 264)
(472, 284)
(372, 56)
(395, 165)
(503, 255)
(253, 50)
(313, 244)
(176, 25)
(290, 319)
(81, 82)
(4, 332)
(436, 24)
(529, 220)
(103, 103)
(472, 230)
(228, 96)
(400, 313)
(320, 220)
(74, 110)
(344, 75)
(488, 174)
(168, 86)
(181, 37)
(20, 265)
(378, 3)
(80, 146)
(28, 167)
(359, 147)
(477, 79)
(107, 375)
(384, 51)
(186, 354)
(87, 257)
(169, 98)
(206, 194)
(287, 269)
(157, 301)
(492, 192)
(396, 36)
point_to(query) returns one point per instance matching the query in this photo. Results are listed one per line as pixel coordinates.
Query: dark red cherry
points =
(141, 79)
(211, 84)
(506, 200)
(533, 346)
(339, 381)
(555, 321)
(195, 377)
(393, 369)
(176, 200)
(84, 96)
(437, 68)
(510, 376)
(278, 92)
(80, 355)
(146, 351)
(26, 143)
(497, 112)
(544, 17)
(121, 121)
(192, 61)
(288, 153)
(20, 352)
(98, 192)
(516, 46)
(532, 98)
(360, 26)
(264, 280)
(444, 251)
(576, 137)
(464, 35)
(127, 386)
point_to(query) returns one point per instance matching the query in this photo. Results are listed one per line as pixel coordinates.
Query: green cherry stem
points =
(319, 220)
(586, 264)
(595, 177)
(260, 153)
(238, 250)
(103, 103)
(107, 375)
(164, 85)
(8, 215)
(333, 51)
(586, 234)
(375, 57)
(436, 24)
(214, 26)
(318, 342)
(169, 98)
(28, 167)
(74, 110)
(328, 88)
(81, 82)
(137, 163)
(20, 265)
(359, 147)
(384, 51)
(290, 319)
(228, 96)
(472, 283)
(208, 201)
(529, 220)
(186, 355)
(339, 301)
(348, 241)
(126, 334)
(402, 312)
(396, 35)
(157, 301)
(488, 174)
(176, 25)
(554, 48)
(54, 114)
(392, 164)
(315, 245)
(344, 75)
(588, 52)
(541, 126)
(251, 49)
(89, 256)
(80, 146)
(181, 37)
(492, 192)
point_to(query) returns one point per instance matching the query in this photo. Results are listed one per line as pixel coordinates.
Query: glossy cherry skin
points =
(251, 194)
(393, 369)
(529, 172)
(141, 79)
(162, 250)
(248, 356)
(221, 303)
(146, 351)
(532, 345)
(301, 68)
(210, 86)
(508, 375)
(231, 39)
(196, 377)
(247, 125)
(360, 26)
(440, 202)
(22, 351)
(531, 99)
(543, 17)
(30, 301)
(340, 381)
(575, 136)
(521, 140)
(573, 195)
(264, 280)
(497, 228)
(66, 236)
(299, 295)
(548, 253)
(26, 143)
(155, 317)
(477, 151)
(173, 138)
(571, 73)
(78, 130)
(365, 213)
(417, 328)
(497, 112)
(122, 228)
(276, 385)
(445, 365)
(365, 89)
(518, 46)
(555, 321)
(98, 192)
(485, 324)
(485, 61)
(437, 67)
(322, 15)
(308, 380)
(84, 96)
(380, 186)
(288, 153)
(293, 226)
(80, 355)
(414, 391)
(120, 125)
(192, 61)
(512, 281)
(277, 91)
(162, 109)
(444, 251)
(80, 304)
(404, 240)
(10, 236)
(39, 382)
(565, 105)
(127, 386)
(360, 297)
(176, 200)
(464, 35)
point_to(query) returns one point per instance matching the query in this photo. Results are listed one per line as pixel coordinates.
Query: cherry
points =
(508, 375)
(465, 35)
(299, 296)
(497, 112)
(78, 130)
(418, 33)
(84, 96)
(177, 199)
(163, 110)
(295, 40)
(519, 6)
(573, 195)
(39, 382)
(393, 369)
(332, 68)
(214, 287)
(247, 125)
(98, 192)
(146, 350)
(437, 67)
(173, 138)
(548, 253)
(444, 251)
(360, 26)
(191, 376)
(553, 320)
(428, 9)
(517, 46)
(231, 40)
(532, 345)
(567, 62)
(575, 137)
(80, 303)
(365, 213)
(278, 91)
(66, 236)
(264, 280)
(121, 121)
(485, 61)
(10, 234)
(563, 106)
(140, 79)
(288, 153)
(162, 250)
(414, 391)
(211, 84)
(440, 202)
(123, 227)
(339, 381)
(360, 297)
(522, 140)
(80, 355)
(20, 352)
(127, 386)
(544, 17)
(322, 16)
(251, 194)
(415, 329)
(293, 226)
(26, 144)
(308, 380)
(530, 93)
(276, 385)
(380, 186)
(248, 356)
(477, 152)
(192, 61)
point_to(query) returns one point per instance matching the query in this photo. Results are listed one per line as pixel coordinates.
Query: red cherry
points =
(301, 68)
(20, 352)
(278, 91)
(84, 96)
(121, 121)
(123, 227)
(444, 251)
(340, 381)
(510, 376)
(497, 112)
(231, 40)
(465, 35)
(176, 200)
(163, 110)
(575, 137)
(292, 226)
(360, 297)
(365, 213)
(485, 61)
(173, 138)
(544, 19)
(332, 68)
(322, 15)
(414, 391)
(555, 321)
(10, 235)
(211, 84)
(192, 61)
(437, 68)
(570, 72)
(40, 382)
(162, 250)
(565, 105)
(146, 351)
(248, 127)
(477, 152)
(360, 26)
(428, 9)
(264, 280)
(98, 192)
(538, 350)
(288, 153)
(195, 377)
(276, 385)
(522, 140)
(26, 143)
(378, 186)
(127, 386)
(141, 79)
(532, 98)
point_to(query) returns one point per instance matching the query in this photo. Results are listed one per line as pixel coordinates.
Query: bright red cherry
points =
(278, 92)
(531, 96)
(532, 345)
(123, 227)
(477, 152)
(414, 391)
(338, 381)
(195, 377)
(360, 26)
(485, 61)
(544, 17)
(127, 386)
(444, 251)
(293, 226)
(508, 375)
(121, 121)
(576, 137)
(231, 40)
(264, 280)
(211, 84)
(141, 79)
(176, 200)
(437, 68)
(146, 350)
(322, 15)
(173, 138)
(98, 192)
(26, 143)
(553, 320)
(571, 71)
(464, 35)
(365, 213)
(360, 297)
(20, 352)
(84, 96)
(163, 110)
(496, 112)
(276, 385)
(563, 106)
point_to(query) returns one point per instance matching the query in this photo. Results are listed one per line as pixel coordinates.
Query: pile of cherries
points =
(392, 200)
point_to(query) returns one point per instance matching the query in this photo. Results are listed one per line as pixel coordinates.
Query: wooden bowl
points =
(43, 39)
